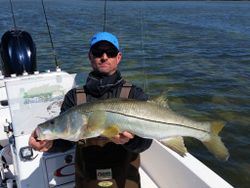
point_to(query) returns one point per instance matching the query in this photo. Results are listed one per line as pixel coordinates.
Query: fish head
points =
(95, 124)
(68, 126)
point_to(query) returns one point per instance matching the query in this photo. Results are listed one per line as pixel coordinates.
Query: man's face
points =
(104, 58)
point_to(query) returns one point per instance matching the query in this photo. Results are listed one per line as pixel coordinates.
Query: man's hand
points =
(122, 138)
(39, 145)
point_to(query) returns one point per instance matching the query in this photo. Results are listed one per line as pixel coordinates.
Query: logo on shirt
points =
(103, 174)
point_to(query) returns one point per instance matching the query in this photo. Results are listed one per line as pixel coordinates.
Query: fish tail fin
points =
(214, 144)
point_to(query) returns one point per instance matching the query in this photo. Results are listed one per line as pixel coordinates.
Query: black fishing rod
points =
(13, 16)
(51, 41)
(15, 29)
(18, 52)
(14, 23)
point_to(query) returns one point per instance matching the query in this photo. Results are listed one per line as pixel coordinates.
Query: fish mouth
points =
(42, 134)
(38, 134)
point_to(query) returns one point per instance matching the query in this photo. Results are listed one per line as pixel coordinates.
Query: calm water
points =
(195, 53)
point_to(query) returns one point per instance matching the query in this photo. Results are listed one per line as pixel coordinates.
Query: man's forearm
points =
(138, 144)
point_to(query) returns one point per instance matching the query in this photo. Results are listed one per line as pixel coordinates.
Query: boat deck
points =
(146, 181)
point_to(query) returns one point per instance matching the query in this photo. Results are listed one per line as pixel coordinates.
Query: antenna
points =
(51, 41)
(13, 16)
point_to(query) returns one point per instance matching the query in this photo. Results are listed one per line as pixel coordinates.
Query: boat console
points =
(32, 99)
(28, 98)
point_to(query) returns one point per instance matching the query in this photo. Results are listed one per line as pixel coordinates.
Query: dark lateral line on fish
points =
(154, 121)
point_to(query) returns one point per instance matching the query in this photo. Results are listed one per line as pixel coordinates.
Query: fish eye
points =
(52, 122)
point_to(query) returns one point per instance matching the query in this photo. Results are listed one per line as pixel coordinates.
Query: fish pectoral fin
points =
(176, 144)
(214, 144)
(111, 131)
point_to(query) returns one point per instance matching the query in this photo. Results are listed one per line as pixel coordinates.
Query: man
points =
(101, 161)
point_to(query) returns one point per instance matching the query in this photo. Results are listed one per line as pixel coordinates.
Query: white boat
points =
(30, 99)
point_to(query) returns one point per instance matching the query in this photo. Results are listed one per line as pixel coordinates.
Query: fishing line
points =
(105, 15)
(13, 16)
(19, 33)
(145, 80)
(51, 41)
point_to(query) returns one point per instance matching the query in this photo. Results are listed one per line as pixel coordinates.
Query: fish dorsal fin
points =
(176, 144)
(160, 100)
(111, 131)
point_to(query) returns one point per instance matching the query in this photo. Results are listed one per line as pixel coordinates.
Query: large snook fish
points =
(147, 119)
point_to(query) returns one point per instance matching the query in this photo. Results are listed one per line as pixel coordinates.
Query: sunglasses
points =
(110, 52)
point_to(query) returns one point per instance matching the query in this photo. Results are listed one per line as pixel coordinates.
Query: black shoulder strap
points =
(80, 96)
(125, 90)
